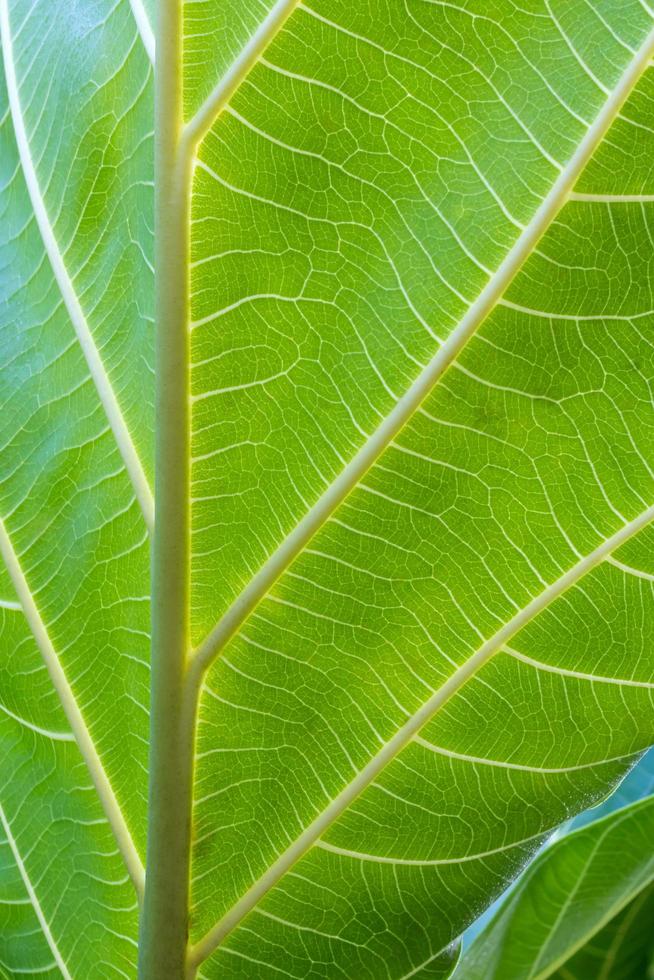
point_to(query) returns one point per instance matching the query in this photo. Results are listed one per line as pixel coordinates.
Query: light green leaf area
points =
(75, 390)
(215, 34)
(580, 911)
(366, 184)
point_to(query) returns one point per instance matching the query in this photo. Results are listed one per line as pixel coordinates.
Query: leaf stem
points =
(164, 926)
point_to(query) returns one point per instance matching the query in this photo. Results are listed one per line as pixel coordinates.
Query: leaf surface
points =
(421, 469)
(348, 213)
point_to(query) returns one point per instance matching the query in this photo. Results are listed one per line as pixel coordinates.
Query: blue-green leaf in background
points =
(622, 950)
(638, 783)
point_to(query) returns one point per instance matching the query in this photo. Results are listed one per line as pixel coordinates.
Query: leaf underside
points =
(380, 174)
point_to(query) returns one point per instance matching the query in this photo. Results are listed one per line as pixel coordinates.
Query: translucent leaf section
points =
(65, 895)
(457, 658)
(75, 469)
(215, 32)
(421, 479)
(350, 204)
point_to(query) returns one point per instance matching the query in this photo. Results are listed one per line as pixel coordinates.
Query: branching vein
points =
(350, 476)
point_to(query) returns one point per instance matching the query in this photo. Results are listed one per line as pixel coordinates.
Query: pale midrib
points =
(144, 28)
(409, 730)
(76, 721)
(403, 411)
(31, 894)
(96, 367)
(164, 927)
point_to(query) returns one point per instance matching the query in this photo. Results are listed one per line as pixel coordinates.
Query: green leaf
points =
(579, 911)
(636, 785)
(402, 566)
(622, 950)
(76, 435)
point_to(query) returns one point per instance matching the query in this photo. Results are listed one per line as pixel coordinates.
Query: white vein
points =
(579, 675)
(144, 28)
(520, 767)
(10, 606)
(425, 863)
(582, 318)
(613, 198)
(54, 736)
(630, 570)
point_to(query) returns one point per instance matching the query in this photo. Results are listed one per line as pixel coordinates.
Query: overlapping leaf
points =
(580, 910)
(622, 950)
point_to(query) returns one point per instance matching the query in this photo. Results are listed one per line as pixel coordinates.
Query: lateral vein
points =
(96, 367)
(613, 198)
(34, 901)
(576, 674)
(76, 721)
(408, 732)
(201, 122)
(404, 409)
(37, 729)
